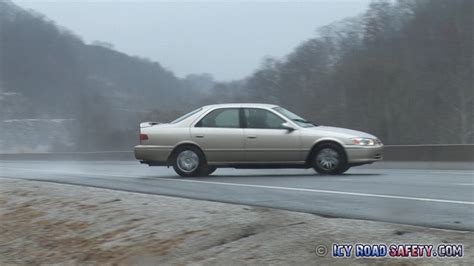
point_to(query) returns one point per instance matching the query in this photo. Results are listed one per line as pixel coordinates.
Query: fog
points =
(81, 76)
(227, 39)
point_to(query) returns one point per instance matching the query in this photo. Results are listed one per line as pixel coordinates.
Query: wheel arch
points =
(184, 144)
(321, 142)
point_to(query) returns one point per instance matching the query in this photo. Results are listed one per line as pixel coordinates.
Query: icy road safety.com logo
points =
(394, 250)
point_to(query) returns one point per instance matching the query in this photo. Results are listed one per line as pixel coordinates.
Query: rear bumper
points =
(357, 154)
(152, 153)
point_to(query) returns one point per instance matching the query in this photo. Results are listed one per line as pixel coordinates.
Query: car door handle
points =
(199, 136)
(251, 137)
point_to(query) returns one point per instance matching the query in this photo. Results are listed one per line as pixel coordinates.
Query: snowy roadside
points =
(44, 223)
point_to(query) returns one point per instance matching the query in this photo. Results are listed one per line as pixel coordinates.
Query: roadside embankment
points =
(45, 223)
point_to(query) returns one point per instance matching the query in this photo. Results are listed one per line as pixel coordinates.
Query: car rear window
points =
(181, 118)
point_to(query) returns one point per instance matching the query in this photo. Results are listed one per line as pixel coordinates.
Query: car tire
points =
(209, 170)
(189, 161)
(329, 159)
(343, 170)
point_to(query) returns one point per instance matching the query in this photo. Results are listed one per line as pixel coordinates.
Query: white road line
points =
(464, 184)
(467, 172)
(323, 191)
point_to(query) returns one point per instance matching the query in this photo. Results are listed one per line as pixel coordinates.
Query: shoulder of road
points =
(45, 223)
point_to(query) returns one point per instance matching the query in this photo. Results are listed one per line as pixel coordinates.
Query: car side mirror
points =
(288, 126)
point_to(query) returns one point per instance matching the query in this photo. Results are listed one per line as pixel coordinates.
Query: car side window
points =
(225, 117)
(260, 118)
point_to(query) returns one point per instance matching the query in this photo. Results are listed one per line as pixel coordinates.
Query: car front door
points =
(220, 135)
(267, 141)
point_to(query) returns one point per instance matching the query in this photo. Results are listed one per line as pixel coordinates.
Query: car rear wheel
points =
(329, 159)
(189, 161)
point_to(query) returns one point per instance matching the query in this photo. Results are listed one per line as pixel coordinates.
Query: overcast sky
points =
(227, 39)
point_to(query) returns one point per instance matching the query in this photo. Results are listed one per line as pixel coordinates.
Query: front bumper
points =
(364, 154)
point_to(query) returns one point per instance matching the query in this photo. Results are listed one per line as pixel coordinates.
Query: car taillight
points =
(143, 136)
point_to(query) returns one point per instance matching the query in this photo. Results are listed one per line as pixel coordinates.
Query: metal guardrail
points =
(429, 152)
(71, 156)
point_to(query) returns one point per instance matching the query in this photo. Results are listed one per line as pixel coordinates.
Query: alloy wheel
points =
(327, 159)
(187, 161)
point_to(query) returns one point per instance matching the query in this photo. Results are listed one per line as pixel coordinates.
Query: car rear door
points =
(267, 141)
(220, 135)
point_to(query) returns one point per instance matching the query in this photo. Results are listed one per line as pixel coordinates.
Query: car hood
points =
(343, 131)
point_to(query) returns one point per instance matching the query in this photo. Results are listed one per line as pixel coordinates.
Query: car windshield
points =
(293, 117)
(181, 118)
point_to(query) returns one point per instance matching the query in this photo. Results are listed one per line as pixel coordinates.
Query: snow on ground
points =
(44, 223)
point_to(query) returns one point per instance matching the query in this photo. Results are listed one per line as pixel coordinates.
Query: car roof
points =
(241, 105)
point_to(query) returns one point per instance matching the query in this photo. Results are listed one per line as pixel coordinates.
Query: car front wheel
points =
(209, 170)
(329, 159)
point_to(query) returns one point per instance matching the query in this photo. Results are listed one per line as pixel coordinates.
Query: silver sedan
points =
(252, 136)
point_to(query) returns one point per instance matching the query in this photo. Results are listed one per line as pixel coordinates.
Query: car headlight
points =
(363, 141)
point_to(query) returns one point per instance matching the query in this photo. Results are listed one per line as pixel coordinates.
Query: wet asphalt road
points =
(426, 197)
